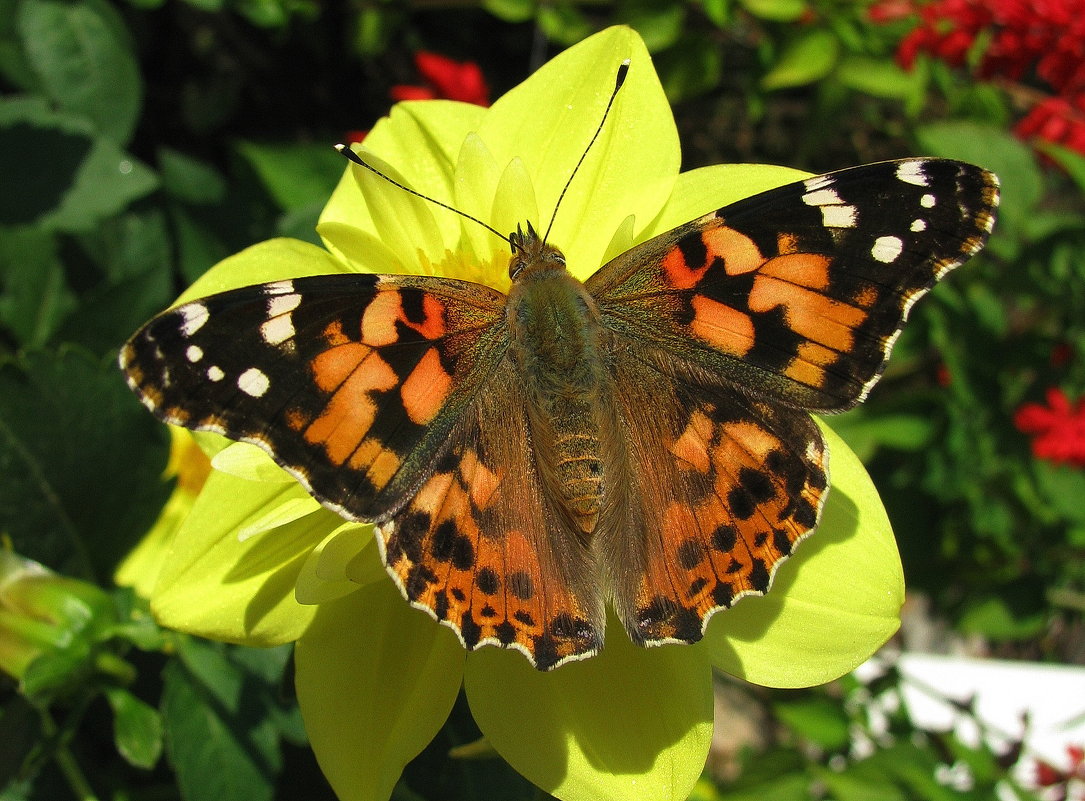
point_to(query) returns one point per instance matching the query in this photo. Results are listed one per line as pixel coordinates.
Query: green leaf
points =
(13, 63)
(1062, 487)
(816, 718)
(1070, 160)
(776, 10)
(198, 247)
(190, 179)
(913, 767)
(137, 729)
(879, 77)
(993, 617)
(778, 774)
(717, 11)
(35, 295)
(84, 62)
(295, 175)
(563, 23)
(109, 313)
(69, 178)
(658, 23)
(56, 672)
(219, 739)
(511, 10)
(691, 69)
(806, 59)
(997, 150)
(865, 432)
(858, 784)
(81, 462)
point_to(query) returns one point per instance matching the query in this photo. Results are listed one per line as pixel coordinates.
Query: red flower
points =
(1041, 39)
(446, 79)
(1058, 120)
(1058, 429)
(1047, 775)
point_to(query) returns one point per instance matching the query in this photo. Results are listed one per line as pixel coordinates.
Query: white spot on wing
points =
(194, 353)
(282, 304)
(277, 330)
(820, 182)
(927, 201)
(821, 197)
(214, 372)
(193, 317)
(886, 249)
(253, 382)
(279, 288)
(911, 172)
(838, 216)
(919, 225)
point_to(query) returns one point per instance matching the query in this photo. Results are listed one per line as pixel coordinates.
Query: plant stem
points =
(65, 759)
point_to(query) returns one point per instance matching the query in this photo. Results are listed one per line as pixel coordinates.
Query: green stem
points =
(65, 760)
(74, 774)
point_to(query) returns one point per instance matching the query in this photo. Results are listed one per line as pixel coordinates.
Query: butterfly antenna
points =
(623, 70)
(356, 159)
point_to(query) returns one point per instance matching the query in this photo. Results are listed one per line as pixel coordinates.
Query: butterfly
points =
(641, 439)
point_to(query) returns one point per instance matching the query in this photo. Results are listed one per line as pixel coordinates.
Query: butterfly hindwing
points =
(724, 486)
(351, 382)
(480, 547)
(799, 292)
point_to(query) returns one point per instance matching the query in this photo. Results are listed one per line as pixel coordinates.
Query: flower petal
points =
(832, 604)
(550, 118)
(422, 140)
(243, 460)
(324, 575)
(375, 680)
(630, 723)
(214, 585)
(273, 260)
(700, 191)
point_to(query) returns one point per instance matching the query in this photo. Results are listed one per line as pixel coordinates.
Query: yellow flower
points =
(258, 561)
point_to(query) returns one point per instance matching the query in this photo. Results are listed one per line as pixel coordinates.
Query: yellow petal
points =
(375, 680)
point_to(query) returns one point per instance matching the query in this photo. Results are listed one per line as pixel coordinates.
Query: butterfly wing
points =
(723, 486)
(721, 333)
(380, 394)
(481, 548)
(800, 291)
(351, 382)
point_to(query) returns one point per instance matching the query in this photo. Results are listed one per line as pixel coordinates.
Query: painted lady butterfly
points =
(640, 439)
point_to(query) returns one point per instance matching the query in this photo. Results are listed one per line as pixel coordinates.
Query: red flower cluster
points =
(446, 80)
(1048, 775)
(1058, 429)
(1024, 38)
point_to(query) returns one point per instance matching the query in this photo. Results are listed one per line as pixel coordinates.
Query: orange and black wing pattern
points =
(724, 486)
(481, 548)
(798, 293)
(352, 383)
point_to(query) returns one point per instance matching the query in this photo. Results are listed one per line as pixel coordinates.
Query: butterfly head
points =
(532, 255)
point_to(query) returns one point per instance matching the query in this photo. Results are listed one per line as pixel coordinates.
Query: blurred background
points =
(143, 141)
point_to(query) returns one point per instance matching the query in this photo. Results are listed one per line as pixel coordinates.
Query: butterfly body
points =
(555, 350)
(639, 440)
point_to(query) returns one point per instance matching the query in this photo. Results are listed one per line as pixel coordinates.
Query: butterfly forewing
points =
(351, 382)
(799, 292)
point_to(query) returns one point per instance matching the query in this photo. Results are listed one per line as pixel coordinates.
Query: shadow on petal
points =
(628, 723)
